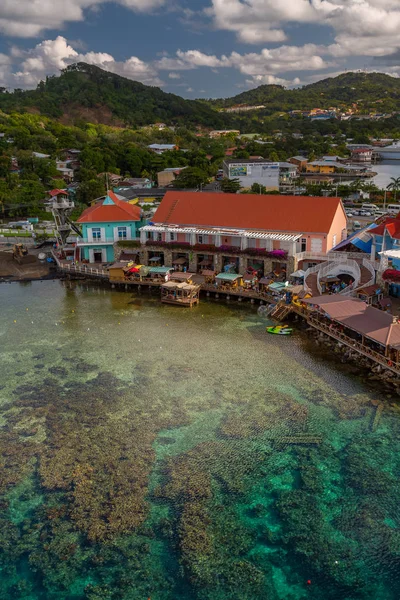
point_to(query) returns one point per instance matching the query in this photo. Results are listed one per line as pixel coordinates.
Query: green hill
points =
(88, 93)
(370, 91)
(85, 93)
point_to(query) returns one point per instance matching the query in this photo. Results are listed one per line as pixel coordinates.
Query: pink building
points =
(217, 227)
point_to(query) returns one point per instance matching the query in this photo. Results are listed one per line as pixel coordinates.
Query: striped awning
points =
(257, 235)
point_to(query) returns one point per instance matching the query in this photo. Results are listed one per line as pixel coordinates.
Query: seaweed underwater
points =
(170, 484)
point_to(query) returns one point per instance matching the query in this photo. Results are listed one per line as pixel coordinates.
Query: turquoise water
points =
(150, 451)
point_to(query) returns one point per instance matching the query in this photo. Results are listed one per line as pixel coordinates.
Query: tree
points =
(230, 186)
(394, 186)
(257, 188)
(90, 190)
(191, 177)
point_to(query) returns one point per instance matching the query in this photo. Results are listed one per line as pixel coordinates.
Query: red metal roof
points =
(119, 211)
(391, 225)
(57, 192)
(298, 214)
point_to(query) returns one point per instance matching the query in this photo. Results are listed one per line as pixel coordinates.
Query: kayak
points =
(280, 330)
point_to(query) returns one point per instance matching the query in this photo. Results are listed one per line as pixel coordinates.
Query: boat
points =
(280, 330)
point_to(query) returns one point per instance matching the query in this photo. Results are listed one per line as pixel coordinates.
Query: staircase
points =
(365, 276)
(361, 270)
(281, 311)
(311, 283)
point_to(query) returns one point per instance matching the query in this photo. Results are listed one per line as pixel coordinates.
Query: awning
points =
(206, 262)
(300, 273)
(228, 276)
(182, 276)
(180, 261)
(155, 259)
(160, 270)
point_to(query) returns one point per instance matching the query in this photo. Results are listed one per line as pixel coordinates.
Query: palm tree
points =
(394, 186)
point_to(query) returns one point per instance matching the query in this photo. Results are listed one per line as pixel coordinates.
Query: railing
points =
(335, 268)
(103, 240)
(278, 255)
(309, 272)
(83, 269)
(361, 348)
(367, 265)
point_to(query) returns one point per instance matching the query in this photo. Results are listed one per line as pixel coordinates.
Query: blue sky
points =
(199, 48)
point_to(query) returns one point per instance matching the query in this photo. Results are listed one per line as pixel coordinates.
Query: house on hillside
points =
(168, 176)
(105, 224)
(299, 161)
(161, 148)
(230, 231)
(133, 183)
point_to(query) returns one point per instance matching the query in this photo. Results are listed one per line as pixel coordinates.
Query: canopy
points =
(205, 262)
(135, 269)
(265, 280)
(160, 270)
(182, 276)
(155, 259)
(300, 273)
(228, 276)
(208, 273)
(180, 261)
(279, 287)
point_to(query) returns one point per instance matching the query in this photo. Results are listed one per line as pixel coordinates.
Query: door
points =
(98, 256)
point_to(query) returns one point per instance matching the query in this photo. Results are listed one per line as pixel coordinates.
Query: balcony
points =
(224, 249)
(98, 241)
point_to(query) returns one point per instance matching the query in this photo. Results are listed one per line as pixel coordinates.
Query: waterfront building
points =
(235, 232)
(391, 152)
(363, 328)
(104, 225)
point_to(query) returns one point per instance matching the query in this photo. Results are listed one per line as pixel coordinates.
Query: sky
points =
(199, 48)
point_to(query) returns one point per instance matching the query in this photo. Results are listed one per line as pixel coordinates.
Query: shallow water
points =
(154, 452)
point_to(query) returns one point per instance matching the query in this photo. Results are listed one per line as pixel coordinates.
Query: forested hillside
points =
(91, 94)
(370, 91)
(85, 93)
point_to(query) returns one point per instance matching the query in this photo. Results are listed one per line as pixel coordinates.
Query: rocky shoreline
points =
(355, 362)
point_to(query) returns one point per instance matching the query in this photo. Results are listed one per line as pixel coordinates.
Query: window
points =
(316, 245)
(159, 237)
(122, 234)
(200, 239)
(172, 236)
(334, 240)
(303, 244)
(96, 233)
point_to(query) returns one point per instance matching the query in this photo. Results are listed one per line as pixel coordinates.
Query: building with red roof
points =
(104, 224)
(242, 230)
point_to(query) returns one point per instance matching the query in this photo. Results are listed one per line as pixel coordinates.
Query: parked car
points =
(356, 225)
(349, 214)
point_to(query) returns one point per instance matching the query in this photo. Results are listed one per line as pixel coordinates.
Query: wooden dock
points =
(304, 439)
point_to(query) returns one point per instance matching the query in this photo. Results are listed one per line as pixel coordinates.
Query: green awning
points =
(161, 270)
(228, 276)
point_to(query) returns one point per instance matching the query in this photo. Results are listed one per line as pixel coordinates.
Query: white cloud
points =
(174, 75)
(360, 27)
(263, 66)
(50, 56)
(29, 18)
